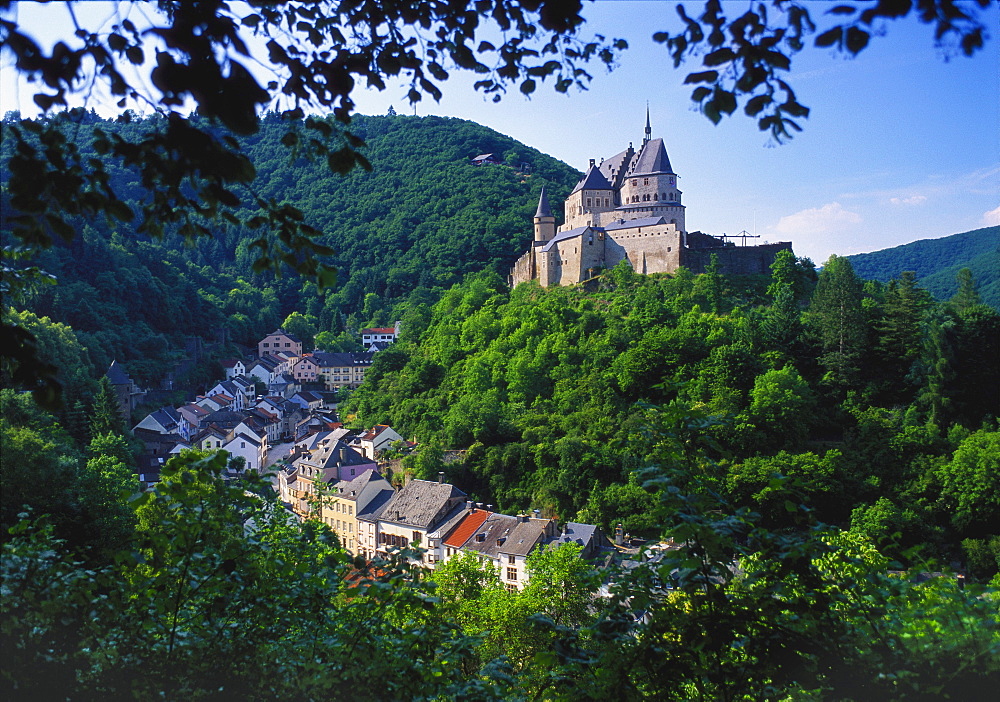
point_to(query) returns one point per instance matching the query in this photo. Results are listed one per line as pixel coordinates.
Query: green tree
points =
(106, 416)
(836, 315)
(967, 295)
(971, 483)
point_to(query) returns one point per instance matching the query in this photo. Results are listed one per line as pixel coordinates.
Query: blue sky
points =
(901, 144)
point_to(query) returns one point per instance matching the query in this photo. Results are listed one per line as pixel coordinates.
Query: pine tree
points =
(106, 416)
(837, 316)
(967, 295)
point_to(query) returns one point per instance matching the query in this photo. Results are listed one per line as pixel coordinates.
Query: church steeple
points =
(649, 131)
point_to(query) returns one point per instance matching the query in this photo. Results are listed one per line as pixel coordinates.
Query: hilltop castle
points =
(628, 207)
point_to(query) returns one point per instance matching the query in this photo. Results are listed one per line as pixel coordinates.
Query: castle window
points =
(588, 202)
(607, 202)
(645, 181)
(635, 183)
(656, 196)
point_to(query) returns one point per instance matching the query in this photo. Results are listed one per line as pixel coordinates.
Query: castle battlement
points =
(627, 207)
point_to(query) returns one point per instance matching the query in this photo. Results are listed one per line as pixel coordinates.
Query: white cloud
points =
(992, 218)
(912, 200)
(831, 218)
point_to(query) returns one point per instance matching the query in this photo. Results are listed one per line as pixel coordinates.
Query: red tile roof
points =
(379, 330)
(466, 528)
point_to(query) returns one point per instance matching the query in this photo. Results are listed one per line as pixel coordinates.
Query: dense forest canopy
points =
(865, 394)
(400, 235)
(938, 261)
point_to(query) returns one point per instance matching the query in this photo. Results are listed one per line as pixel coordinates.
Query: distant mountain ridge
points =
(937, 262)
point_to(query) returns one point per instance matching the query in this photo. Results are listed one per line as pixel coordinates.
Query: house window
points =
(511, 588)
(416, 536)
(512, 573)
(510, 560)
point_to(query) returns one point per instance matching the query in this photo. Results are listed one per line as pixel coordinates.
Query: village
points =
(348, 479)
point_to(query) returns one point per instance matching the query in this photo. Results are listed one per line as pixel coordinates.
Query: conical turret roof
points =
(543, 205)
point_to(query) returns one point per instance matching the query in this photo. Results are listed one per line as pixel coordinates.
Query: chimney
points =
(591, 163)
(537, 513)
(619, 535)
(479, 505)
(470, 505)
(441, 477)
(343, 455)
(489, 508)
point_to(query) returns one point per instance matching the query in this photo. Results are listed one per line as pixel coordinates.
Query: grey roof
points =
(524, 537)
(485, 539)
(634, 223)
(336, 453)
(364, 489)
(227, 419)
(422, 503)
(269, 363)
(282, 332)
(652, 159)
(543, 205)
(327, 359)
(117, 375)
(563, 236)
(575, 533)
(593, 180)
(617, 163)
(372, 511)
(450, 521)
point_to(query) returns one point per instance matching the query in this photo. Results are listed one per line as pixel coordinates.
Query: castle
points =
(628, 207)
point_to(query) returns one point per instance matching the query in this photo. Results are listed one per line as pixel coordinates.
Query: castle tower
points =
(591, 196)
(545, 222)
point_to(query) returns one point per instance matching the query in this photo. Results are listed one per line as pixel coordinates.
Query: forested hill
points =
(937, 262)
(413, 226)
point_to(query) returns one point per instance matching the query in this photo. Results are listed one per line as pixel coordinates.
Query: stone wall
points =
(654, 249)
(735, 260)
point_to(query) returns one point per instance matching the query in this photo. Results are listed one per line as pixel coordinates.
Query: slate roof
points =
(593, 179)
(617, 163)
(582, 534)
(268, 363)
(421, 503)
(374, 509)
(117, 375)
(282, 332)
(634, 223)
(353, 489)
(461, 532)
(652, 159)
(543, 205)
(563, 236)
(485, 539)
(525, 536)
(327, 359)
(227, 419)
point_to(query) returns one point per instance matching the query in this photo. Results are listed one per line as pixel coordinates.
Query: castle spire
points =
(649, 131)
(545, 223)
(543, 205)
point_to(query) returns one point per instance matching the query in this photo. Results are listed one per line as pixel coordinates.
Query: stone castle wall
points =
(648, 249)
(735, 260)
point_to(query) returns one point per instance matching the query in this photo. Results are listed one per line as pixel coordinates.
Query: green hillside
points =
(413, 226)
(937, 261)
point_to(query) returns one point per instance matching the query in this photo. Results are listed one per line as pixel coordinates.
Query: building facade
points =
(628, 207)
